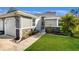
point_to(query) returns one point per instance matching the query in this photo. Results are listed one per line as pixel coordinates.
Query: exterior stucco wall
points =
(25, 27)
(25, 23)
(51, 22)
(1, 25)
(10, 26)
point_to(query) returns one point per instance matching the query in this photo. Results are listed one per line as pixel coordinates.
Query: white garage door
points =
(1, 25)
(51, 22)
(10, 27)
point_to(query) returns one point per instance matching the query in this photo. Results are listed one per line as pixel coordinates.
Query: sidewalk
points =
(29, 41)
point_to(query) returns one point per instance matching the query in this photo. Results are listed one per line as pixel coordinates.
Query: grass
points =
(50, 42)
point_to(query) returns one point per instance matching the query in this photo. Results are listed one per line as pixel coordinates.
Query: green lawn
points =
(50, 42)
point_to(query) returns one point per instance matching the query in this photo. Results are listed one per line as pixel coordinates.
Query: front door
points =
(42, 24)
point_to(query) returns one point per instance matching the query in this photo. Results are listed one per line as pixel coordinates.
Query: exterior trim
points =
(7, 17)
(3, 19)
(27, 17)
(4, 25)
(17, 21)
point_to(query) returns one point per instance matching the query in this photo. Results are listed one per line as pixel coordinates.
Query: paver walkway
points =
(29, 41)
(8, 45)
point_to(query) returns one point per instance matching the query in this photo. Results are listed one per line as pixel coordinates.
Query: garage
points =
(50, 22)
(1, 27)
(10, 26)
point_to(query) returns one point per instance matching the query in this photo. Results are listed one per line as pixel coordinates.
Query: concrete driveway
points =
(7, 45)
(6, 37)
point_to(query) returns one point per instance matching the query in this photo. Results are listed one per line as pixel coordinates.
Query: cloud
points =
(60, 12)
(37, 12)
(33, 11)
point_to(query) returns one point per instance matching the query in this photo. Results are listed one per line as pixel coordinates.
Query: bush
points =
(49, 30)
(28, 32)
(68, 24)
(76, 34)
(33, 32)
(25, 33)
(54, 30)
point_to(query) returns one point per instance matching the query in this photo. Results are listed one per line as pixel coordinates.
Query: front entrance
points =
(42, 24)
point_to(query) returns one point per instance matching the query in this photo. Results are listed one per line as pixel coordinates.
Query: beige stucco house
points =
(16, 23)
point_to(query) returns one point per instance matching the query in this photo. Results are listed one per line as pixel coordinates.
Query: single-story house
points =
(16, 23)
(50, 19)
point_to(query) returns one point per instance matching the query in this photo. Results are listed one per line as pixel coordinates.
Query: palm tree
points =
(68, 24)
(12, 9)
(75, 11)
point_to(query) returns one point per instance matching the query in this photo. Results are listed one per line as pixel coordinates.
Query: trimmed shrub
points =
(28, 32)
(54, 30)
(33, 32)
(49, 29)
(25, 33)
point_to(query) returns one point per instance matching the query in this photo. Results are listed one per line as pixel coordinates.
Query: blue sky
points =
(60, 10)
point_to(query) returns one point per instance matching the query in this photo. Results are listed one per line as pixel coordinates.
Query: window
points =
(33, 22)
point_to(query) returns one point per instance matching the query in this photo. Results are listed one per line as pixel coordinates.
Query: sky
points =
(60, 10)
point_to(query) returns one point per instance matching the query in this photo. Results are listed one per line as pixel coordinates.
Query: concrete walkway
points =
(8, 45)
(29, 41)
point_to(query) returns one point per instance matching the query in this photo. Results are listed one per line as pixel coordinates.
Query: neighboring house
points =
(49, 19)
(16, 23)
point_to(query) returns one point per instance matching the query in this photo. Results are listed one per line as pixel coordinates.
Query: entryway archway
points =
(42, 24)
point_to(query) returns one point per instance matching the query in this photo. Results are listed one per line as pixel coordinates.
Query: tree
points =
(75, 11)
(68, 24)
(12, 9)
